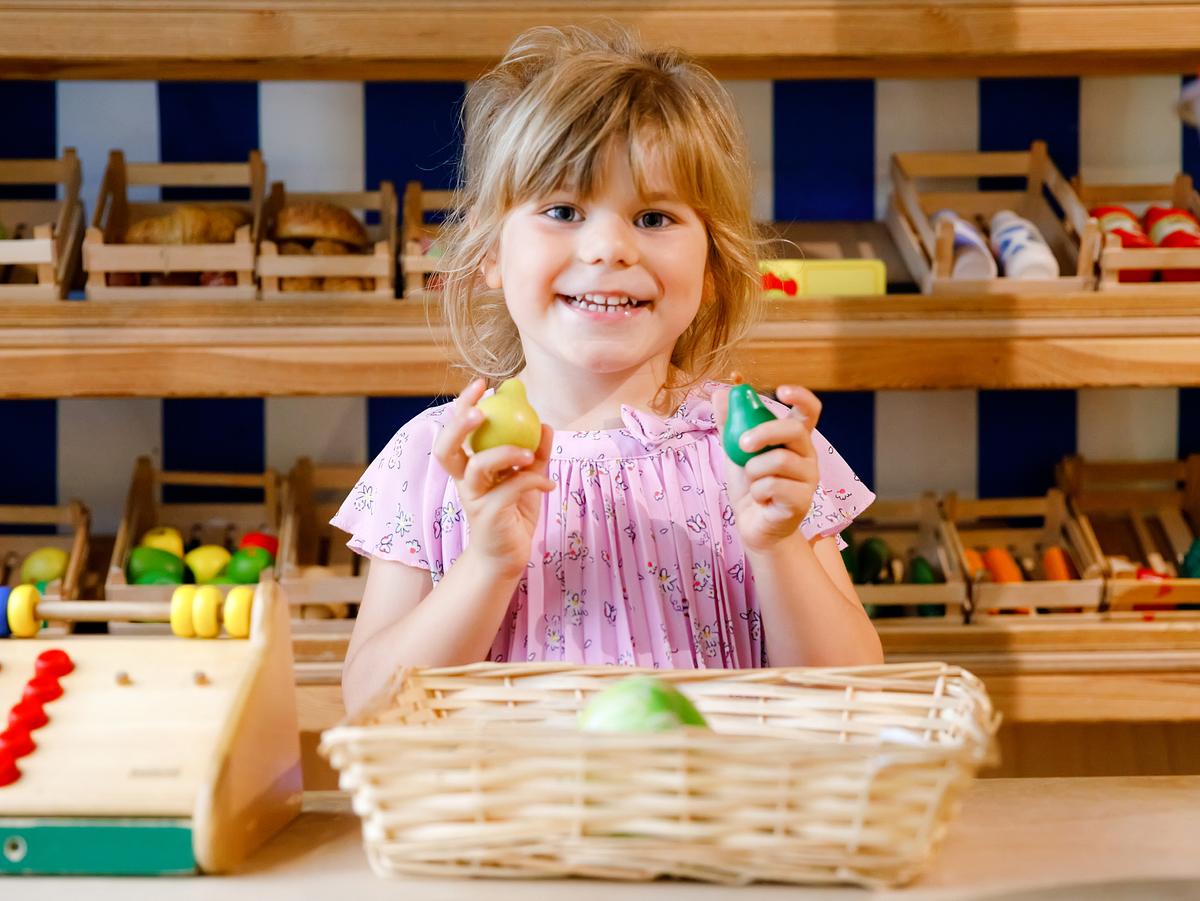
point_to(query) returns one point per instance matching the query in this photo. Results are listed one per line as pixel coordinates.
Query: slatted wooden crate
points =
(418, 237)
(317, 570)
(928, 250)
(1025, 527)
(1115, 260)
(912, 528)
(40, 240)
(72, 535)
(208, 523)
(378, 268)
(1139, 515)
(115, 269)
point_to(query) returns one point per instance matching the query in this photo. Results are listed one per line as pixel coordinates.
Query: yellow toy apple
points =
(509, 419)
(165, 539)
(206, 562)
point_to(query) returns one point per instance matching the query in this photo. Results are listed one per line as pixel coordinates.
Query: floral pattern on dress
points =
(636, 559)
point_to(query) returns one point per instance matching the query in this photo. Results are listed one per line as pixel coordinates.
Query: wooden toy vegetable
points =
(1001, 565)
(1056, 565)
(509, 419)
(746, 410)
(639, 704)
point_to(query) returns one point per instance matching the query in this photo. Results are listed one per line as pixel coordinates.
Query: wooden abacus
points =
(147, 754)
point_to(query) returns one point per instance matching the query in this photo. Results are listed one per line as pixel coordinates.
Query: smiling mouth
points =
(596, 303)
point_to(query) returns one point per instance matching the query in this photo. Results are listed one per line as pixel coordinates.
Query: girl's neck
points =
(579, 401)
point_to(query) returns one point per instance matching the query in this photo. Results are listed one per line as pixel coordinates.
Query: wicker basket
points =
(808, 775)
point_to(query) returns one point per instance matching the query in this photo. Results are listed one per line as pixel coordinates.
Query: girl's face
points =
(606, 284)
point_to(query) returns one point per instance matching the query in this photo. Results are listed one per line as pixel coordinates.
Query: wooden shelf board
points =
(166, 349)
(457, 39)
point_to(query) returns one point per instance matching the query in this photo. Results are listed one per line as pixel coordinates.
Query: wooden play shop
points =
(172, 686)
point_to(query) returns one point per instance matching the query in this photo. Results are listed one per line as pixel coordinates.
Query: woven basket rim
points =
(974, 746)
(539, 739)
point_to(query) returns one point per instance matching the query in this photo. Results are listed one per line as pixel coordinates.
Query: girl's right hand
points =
(500, 488)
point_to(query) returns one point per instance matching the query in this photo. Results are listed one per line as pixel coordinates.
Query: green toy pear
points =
(746, 410)
(639, 704)
(509, 419)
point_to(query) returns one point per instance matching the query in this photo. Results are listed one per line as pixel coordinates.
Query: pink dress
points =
(636, 560)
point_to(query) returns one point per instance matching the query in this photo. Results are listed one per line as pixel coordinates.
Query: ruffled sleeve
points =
(840, 495)
(404, 506)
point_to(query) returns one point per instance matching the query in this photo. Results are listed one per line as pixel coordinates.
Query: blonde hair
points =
(542, 119)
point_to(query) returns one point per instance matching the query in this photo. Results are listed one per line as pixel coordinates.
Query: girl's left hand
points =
(772, 494)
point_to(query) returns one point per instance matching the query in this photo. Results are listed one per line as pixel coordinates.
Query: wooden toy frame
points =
(928, 250)
(105, 252)
(973, 523)
(207, 785)
(416, 264)
(378, 266)
(913, 527)
(316, 568)
(1114, 259)
(1143, 508)
(51, 231)
(74, 517)
(145, 509)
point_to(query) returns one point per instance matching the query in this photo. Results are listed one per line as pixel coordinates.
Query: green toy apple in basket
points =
(639, 704)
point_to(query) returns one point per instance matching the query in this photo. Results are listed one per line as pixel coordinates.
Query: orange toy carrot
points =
(1056, 565)
(1001, 565)
(974, 563)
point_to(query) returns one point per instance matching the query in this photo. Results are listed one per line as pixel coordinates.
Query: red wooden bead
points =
(54, 662)
(27, 715)
(42, 689)
(17, 742)
(8, 769)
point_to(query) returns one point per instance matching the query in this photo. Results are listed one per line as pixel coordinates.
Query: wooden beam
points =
(457, 39)
(250, 349)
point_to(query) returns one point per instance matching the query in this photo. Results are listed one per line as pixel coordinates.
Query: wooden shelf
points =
(250, 349)
(456, 39)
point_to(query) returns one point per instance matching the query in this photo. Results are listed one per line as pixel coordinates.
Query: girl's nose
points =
(608, 240)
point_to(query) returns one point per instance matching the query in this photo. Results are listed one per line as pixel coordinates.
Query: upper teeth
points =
(604, 300)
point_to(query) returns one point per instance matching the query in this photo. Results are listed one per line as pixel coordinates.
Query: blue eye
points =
(561, 213)
(654, 219)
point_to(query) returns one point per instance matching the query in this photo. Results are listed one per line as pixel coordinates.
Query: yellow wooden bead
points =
(181, 611)
(238, 604)
(22, 611)
(206, 609)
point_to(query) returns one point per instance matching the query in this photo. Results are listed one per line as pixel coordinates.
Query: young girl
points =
(603, 254)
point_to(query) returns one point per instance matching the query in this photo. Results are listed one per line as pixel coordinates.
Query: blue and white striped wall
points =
(820, 149)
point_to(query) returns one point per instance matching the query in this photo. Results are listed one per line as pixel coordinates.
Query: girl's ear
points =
(490, 269)
(709, 291)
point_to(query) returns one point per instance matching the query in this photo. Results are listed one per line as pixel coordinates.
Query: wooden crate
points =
(40, 257)
(378, 266)
(929, 251)
(981, 524)
(317, 570)
(1114, 259)
(912, 528)
(73, 522)
(210, 523)
(107, 258)
(418, 266)
(1147, 513)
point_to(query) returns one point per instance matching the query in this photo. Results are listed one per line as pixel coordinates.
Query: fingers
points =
(782, 496)
(802, 401)
(790, 432)
(465, 418)
(489, 468)
(783, 463)
(509, 492)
